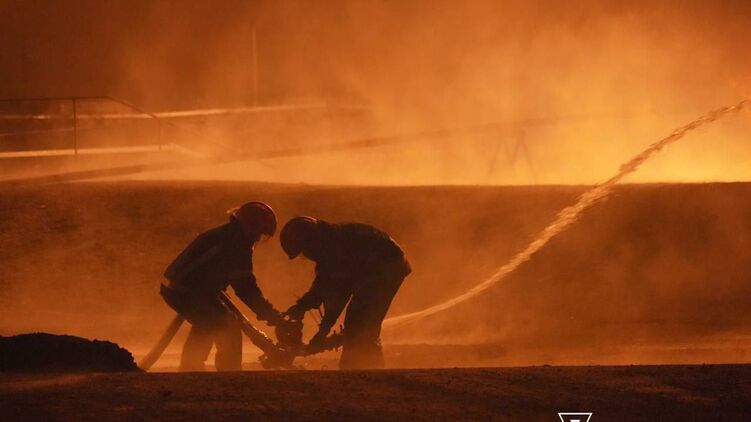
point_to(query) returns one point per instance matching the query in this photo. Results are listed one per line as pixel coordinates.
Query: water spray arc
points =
(569, 215)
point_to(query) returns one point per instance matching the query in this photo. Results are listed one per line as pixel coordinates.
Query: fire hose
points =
(279, 355)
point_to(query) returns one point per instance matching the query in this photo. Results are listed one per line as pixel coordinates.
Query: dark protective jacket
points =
(216, 259)
(351, 256)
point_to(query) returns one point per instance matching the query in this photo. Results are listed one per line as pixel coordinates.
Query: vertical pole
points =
(25, 64)
(75, 128)
(255, 69)
(20, 21)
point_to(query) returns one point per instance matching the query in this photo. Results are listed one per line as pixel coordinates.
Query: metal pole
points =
(24, 59)
(255, 69)
(75, 129)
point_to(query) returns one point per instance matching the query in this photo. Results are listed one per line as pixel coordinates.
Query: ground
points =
(633, 393)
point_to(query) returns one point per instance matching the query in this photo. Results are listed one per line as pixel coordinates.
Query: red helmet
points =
(255, 218)
(298, 233)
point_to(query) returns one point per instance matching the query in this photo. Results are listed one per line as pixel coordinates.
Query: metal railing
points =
(74, 117)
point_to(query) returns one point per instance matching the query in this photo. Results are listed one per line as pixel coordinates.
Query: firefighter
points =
(216, 259)
(356, 264)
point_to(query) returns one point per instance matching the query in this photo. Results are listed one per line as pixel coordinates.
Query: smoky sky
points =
(421, 53)
(604, 78)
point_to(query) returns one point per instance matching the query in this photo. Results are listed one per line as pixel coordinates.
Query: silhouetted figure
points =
(355, 263)
(216, 259)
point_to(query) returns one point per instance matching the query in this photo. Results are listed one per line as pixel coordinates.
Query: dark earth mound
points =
(42, 352)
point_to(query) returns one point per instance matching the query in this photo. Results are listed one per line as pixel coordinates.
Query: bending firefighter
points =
(216, 259)
(355, 263)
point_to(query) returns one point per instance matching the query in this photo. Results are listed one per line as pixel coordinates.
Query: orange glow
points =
(461, 130)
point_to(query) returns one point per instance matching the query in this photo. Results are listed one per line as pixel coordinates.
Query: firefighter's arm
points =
(310, 300)
(247, 290)
(332, 308)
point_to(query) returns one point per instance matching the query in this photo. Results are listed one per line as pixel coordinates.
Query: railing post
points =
(255, 68)
(75, 128)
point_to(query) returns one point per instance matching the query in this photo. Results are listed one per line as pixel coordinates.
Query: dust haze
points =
(547, 96)
(581, 87)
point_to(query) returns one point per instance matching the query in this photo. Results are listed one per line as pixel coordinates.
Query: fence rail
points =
(20, 125)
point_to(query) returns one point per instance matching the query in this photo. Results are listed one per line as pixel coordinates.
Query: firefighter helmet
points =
(298, 234)
(255, 218)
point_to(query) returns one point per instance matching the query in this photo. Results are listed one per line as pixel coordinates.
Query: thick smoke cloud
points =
(583, 86)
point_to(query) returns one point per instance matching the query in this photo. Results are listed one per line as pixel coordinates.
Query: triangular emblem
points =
(574, 416)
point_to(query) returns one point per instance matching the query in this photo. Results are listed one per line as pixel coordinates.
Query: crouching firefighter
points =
(216, 259)
(356, 264)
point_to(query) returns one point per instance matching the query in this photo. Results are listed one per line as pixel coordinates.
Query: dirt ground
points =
(633, 393)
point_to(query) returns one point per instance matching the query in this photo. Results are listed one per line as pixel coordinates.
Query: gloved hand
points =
(270, 315)
(295, 313)
(289, 333)
(273, 319)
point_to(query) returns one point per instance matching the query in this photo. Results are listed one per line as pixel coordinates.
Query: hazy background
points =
(582, 85)
(440, 93)
(658, 273)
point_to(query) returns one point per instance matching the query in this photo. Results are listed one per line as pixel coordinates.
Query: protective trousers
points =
(362, 322)
(228, 340)
(211, 324)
